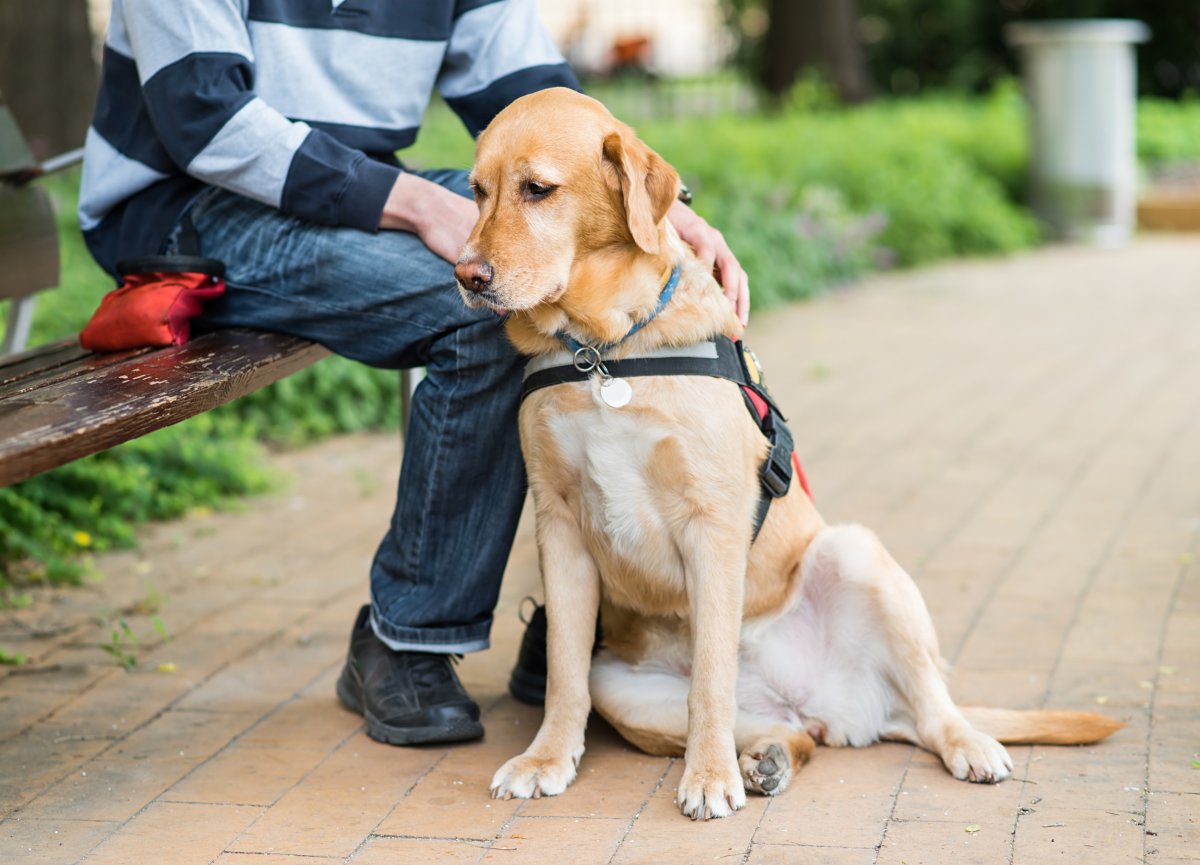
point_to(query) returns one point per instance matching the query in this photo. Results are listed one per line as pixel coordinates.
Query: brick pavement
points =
(1025, 436)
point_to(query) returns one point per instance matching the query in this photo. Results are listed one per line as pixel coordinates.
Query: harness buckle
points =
(776, 471)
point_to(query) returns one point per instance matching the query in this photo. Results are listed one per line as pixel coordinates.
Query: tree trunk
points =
(47, 71)
(815, 34)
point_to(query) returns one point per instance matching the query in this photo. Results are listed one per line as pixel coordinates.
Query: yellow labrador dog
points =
(735, 646)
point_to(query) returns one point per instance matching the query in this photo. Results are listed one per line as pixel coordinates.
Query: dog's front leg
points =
(712, 783)
(572, 586)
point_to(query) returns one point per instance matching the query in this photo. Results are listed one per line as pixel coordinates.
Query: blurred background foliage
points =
(929, 162)
(907, 46)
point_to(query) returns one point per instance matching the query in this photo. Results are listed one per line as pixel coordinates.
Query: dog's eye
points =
(535, 190)
(477, 191)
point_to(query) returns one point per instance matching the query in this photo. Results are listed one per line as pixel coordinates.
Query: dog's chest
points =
(611, 452)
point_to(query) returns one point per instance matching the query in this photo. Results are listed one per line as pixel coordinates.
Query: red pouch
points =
(158, 297)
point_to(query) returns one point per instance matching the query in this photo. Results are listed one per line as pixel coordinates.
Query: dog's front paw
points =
(531, 777)
(974, 756)
(711, 791)
(766, 767)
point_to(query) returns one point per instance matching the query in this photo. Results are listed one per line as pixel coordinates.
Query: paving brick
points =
(340, 802)
(458, 787)
(182, 834)
(795, 854)
(22, 706)
(107, 789)
(413, 851)
(262, 679)
(1086, 836)
(50, 842)
(930, 793)
(274, 859)
(662, 834)
(125, 701)
(930, 842)
(307, 722)
(614, 780)
(537, 840)
(33, 761)
(843, 798)
(1174, 820)
(183, 735)
(1107, 777)
(1171, 758)
(245, 776)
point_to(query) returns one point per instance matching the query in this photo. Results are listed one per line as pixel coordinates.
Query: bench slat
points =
(52, 364)
(102, 406)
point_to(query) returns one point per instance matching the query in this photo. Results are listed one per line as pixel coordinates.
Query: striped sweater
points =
(300, 104)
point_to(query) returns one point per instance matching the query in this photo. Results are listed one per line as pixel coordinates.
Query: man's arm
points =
(711, 248)
(195, 65)
(498, 52)
(441, 218)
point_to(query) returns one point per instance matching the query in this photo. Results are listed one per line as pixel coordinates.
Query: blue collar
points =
(575, 346)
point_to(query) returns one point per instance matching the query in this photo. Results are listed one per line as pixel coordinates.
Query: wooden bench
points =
(59, 402)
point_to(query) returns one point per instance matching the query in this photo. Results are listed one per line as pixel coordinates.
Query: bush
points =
(941, 173)
(1168, 131)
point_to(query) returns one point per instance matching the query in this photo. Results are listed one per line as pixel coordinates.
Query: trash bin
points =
(1080, 80)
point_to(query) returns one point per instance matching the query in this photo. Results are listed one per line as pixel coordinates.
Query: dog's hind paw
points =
(529, 777)
(976, 757)
(708, 793)
(766, 768)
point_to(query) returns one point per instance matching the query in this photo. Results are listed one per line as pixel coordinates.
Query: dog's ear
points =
(648, 185)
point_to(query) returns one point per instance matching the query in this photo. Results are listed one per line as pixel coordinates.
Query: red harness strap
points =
(761, 407)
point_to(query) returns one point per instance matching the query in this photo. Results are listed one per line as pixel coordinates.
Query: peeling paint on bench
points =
(59, 403)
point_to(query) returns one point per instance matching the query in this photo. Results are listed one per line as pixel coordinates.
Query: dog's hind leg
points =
(898, 630)
(648, 707)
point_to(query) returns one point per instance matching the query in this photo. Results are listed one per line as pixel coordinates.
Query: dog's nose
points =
(473, 274)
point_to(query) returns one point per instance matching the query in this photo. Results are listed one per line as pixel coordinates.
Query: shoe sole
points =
(380, 732)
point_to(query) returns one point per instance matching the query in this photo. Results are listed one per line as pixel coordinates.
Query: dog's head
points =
(558, 179)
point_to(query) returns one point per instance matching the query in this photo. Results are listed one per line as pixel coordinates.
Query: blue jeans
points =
(386, 300)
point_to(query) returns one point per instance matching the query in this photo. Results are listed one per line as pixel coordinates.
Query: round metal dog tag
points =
(616, 392)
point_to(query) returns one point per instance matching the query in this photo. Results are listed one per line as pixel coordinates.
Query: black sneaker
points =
(407, 698)
(528, 680)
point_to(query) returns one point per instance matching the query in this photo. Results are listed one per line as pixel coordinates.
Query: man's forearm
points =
(442, 219)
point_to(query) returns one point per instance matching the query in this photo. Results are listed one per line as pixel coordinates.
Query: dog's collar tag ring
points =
(587, 358)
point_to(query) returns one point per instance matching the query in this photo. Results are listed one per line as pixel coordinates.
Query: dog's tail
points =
(1041, 726)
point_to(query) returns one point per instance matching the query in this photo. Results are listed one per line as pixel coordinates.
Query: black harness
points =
(718, 358)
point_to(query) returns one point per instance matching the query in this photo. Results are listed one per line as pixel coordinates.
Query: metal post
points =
(20, 319)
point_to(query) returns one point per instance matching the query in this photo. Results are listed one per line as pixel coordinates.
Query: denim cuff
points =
(442, 641)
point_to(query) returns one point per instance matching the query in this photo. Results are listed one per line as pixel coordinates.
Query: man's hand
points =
(711, 248)
(442, 219)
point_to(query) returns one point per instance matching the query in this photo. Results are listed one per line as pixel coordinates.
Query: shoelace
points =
(429, 670)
